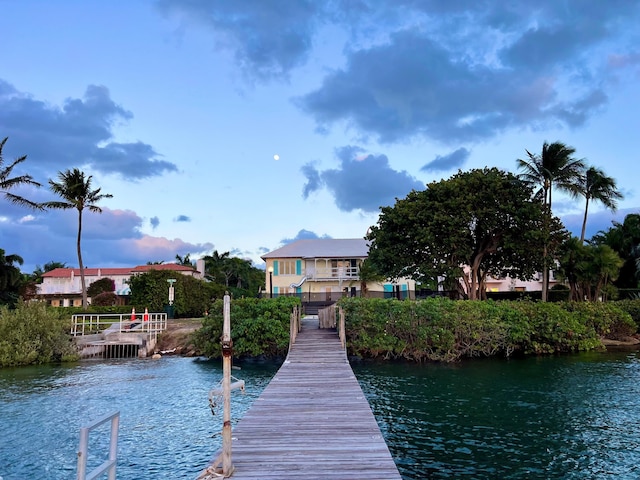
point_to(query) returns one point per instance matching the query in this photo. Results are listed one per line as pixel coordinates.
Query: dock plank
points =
(312, 420)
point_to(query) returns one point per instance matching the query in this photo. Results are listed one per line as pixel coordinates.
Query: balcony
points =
(332, 274)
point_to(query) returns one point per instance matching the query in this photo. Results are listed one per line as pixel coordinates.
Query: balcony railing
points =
(333, 273)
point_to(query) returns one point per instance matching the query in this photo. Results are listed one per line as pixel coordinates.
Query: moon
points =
(276, 157)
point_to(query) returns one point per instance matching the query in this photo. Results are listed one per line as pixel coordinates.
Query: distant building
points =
(323, 270)
(61, 287)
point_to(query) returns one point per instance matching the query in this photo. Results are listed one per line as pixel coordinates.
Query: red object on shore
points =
(146, 315)
(133, 314)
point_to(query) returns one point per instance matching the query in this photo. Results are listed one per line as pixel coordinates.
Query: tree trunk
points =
(545, 249)
(584, 220)
(82, 283)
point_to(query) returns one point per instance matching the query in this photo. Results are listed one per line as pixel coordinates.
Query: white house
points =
(61, 287)
(325, 269)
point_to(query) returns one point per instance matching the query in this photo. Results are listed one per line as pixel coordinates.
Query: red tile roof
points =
(106, 272)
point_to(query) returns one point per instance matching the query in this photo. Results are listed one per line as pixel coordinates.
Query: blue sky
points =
(178, 108)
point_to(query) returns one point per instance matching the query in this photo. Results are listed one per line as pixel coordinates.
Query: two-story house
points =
(323, 270)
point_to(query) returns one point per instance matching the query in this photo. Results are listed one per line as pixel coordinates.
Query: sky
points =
(241, 125)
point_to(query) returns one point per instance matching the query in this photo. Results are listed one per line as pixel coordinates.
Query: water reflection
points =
(570, 417)
(552, 417)
(166, 427)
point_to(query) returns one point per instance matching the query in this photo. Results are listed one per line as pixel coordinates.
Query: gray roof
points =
(322, 248)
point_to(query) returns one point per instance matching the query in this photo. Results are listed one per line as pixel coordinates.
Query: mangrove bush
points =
(34, 334)
(440, 329)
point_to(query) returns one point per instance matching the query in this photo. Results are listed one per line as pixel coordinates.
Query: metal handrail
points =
(108, 465)
(152, 323)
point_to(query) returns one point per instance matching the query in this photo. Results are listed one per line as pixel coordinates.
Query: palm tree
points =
(595, 185)
(603, 267)
(36, 276)
(185, 261)
(555, 166)
(571, 259)
(367, 273)
(10, 277)
(214, 265)
(76, 192)
(7, 182)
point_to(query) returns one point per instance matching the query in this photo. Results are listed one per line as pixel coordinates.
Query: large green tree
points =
(7, 182)
(556, 167)
(596, 186)
(484, 220)
(192, 296)
(76, 191)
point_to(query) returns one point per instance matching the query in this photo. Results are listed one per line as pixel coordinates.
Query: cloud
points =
(361, 182)
(314, 182)
(454, 71)
(268, 39)
(453, 160)
(133, 161)
(600, 220)
(301, 235)
(79, 133)
(474, 70)
(154, 221)
(160, 249)
(112, 238)
(394, 94)
(182, 218)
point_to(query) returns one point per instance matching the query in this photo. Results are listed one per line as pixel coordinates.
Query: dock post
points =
(227, 352)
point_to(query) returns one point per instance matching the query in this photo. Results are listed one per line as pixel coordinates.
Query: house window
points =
(290, 267)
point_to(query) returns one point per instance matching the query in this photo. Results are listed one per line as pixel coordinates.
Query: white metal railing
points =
(108, 465)
(150, 323)
(333, 273)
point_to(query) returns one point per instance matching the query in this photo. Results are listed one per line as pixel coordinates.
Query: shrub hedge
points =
(446, 330)
(34, 334)
(259, 327)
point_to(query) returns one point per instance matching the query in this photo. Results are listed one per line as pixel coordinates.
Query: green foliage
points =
(98, 309)
(440, 329)
(485, 219)
(105, 299)
(624, 239)
(34, 334)
(609, 320)
(237, 275)
(192, 296)
(101, 286)
(632, 307)
(588, 269)
(9, 182)
(11, 280)
(258, 327)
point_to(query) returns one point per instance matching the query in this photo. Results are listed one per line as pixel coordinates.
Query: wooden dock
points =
(312, 421)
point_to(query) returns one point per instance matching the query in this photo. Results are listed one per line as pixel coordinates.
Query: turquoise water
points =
(166, 425)
(571, 417)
